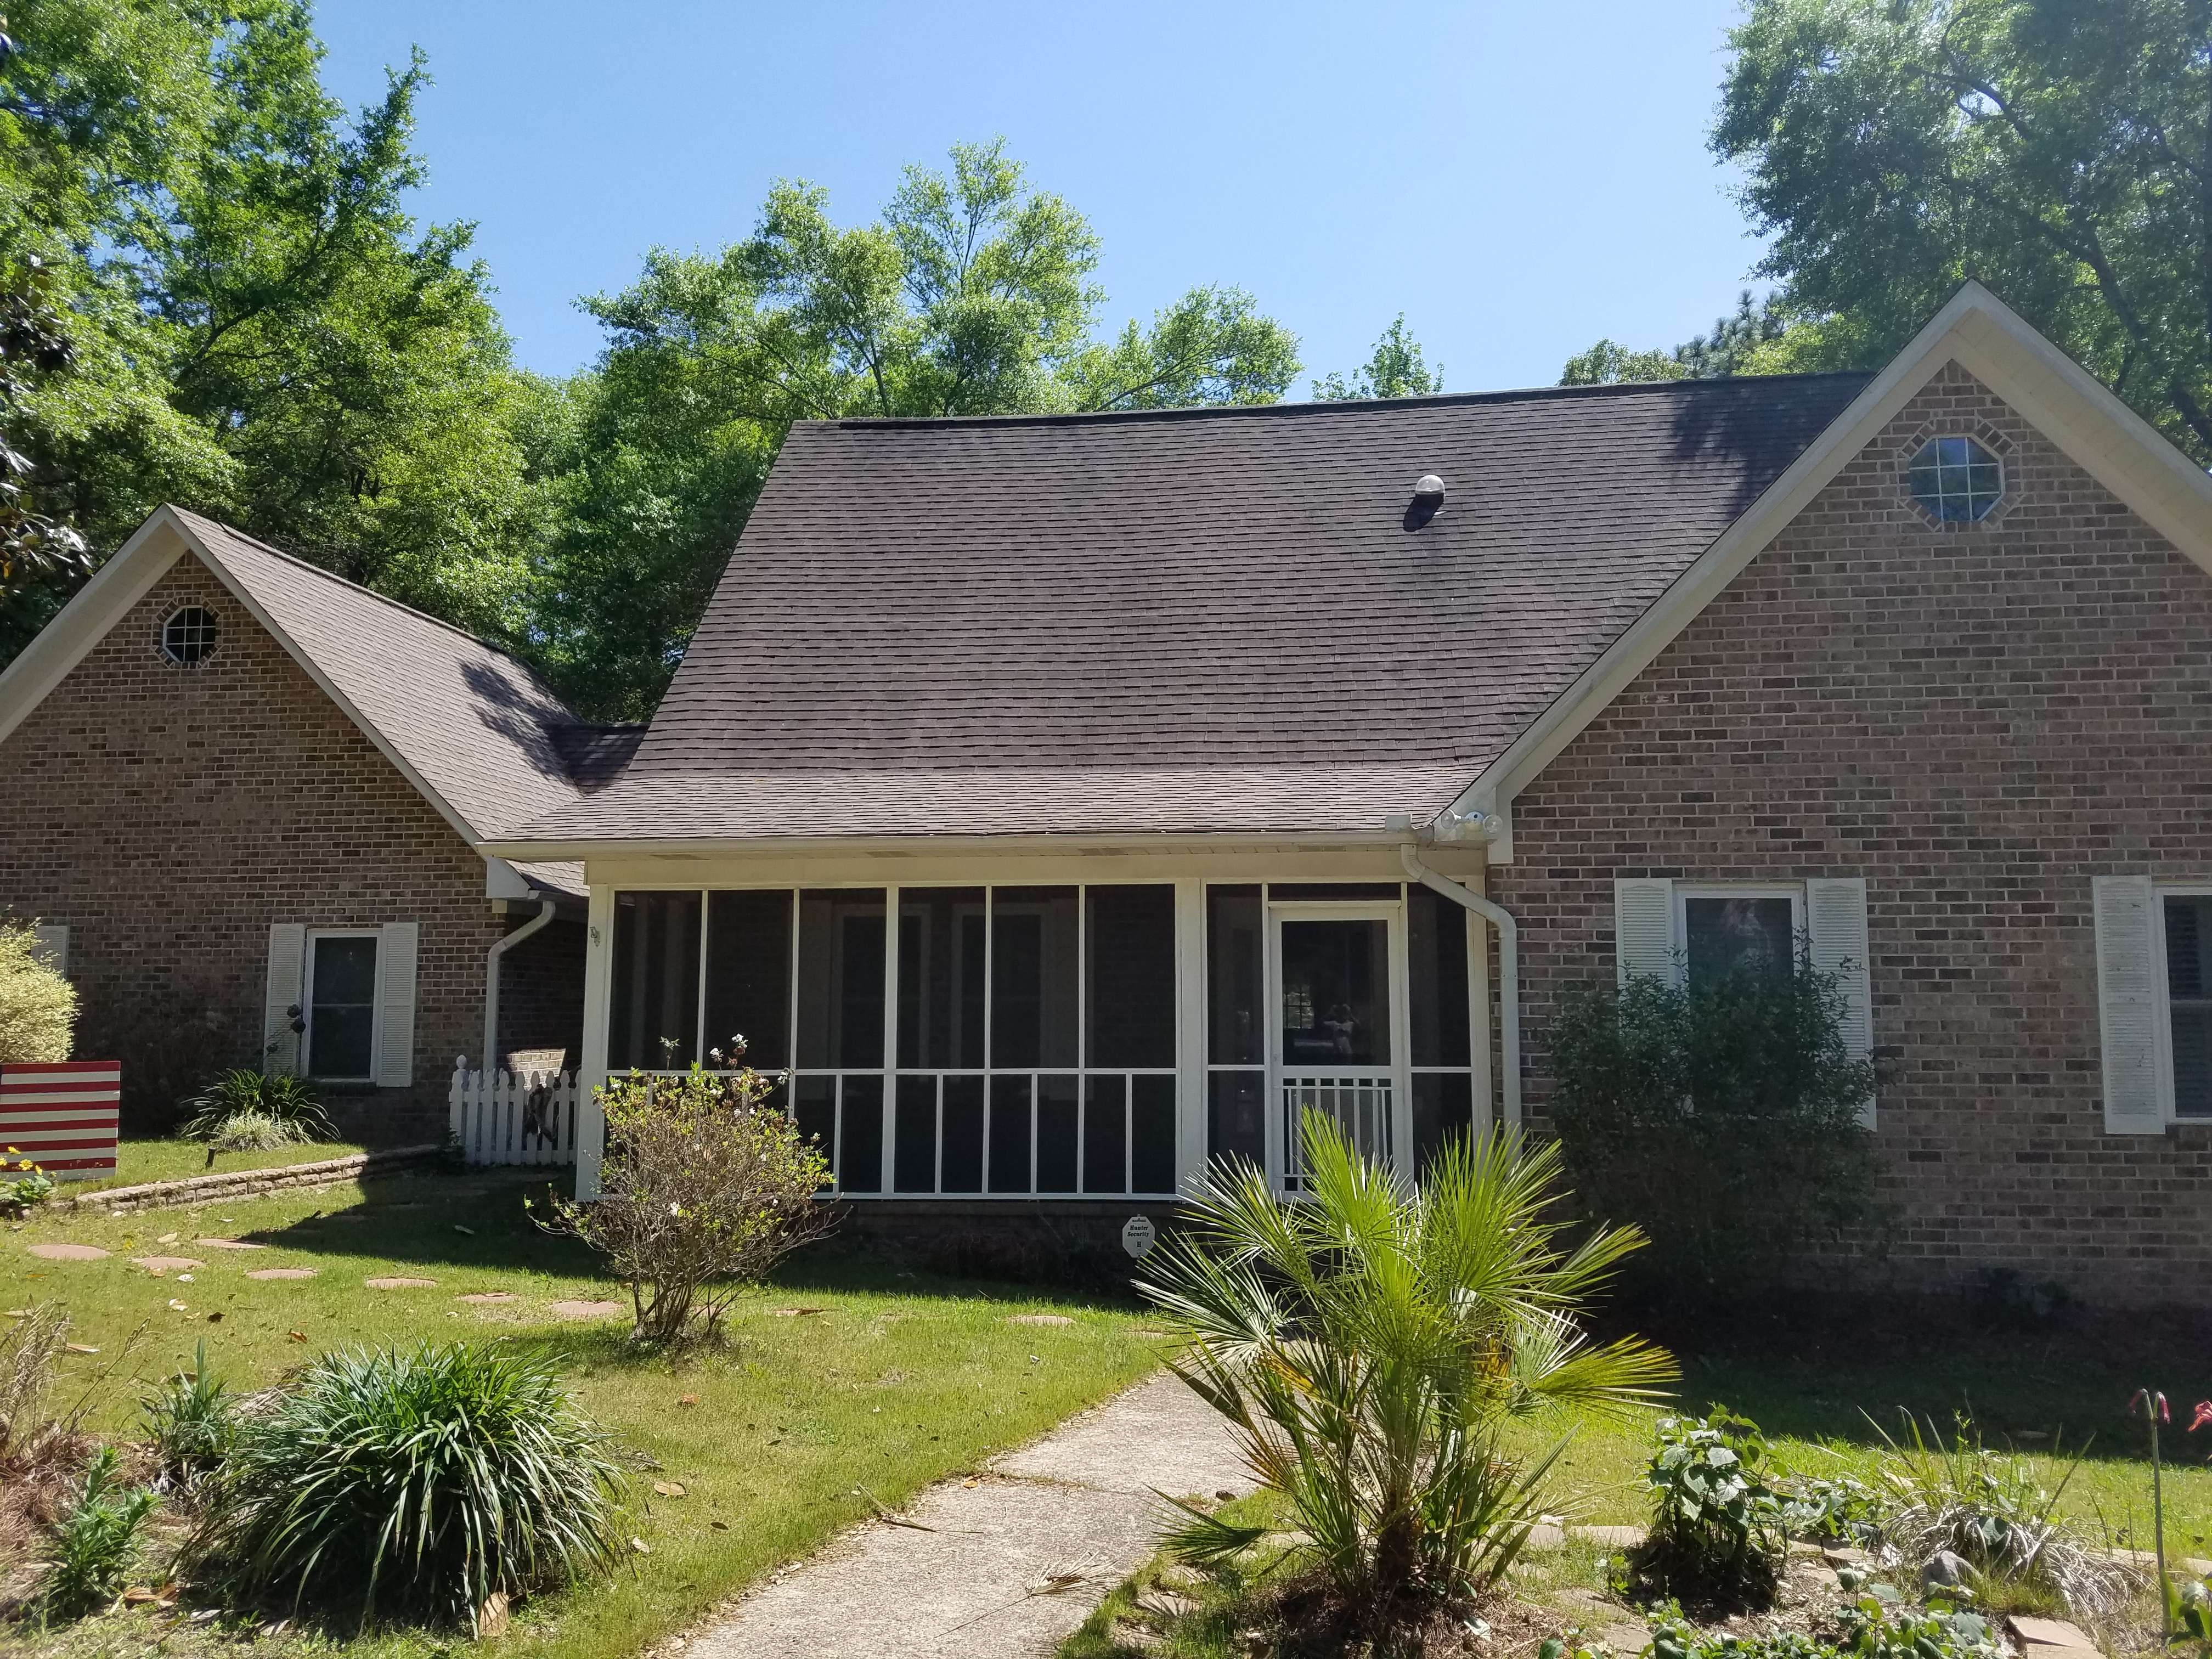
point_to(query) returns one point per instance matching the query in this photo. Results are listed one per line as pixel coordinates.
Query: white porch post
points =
(598, 977)
(1190, 1029)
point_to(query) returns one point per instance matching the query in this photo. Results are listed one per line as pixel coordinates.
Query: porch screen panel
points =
(1436, 979)
(914, 1127)
(1151, 1134)
(1056, 1134)
(654, 1020)
(1034, 975)
(841, 980)
(1105, 1146)
(1236, 1116)
(1010, 1134)
(1131, 978)
(860, 1165)
(1443, 1110)
(814, 1110)
(749, 975)
(1235, 1023)
(941, 978)
(964, 1134)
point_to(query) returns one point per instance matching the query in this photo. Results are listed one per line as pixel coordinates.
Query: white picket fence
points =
(529, 1118)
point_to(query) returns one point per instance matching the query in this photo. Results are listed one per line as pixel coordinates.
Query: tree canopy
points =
(1396, 369)
(2059, 150)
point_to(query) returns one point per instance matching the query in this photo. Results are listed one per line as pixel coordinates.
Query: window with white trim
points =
(341, 1006)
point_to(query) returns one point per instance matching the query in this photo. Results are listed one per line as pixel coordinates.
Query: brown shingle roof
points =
(476, 726)
(1207, 620)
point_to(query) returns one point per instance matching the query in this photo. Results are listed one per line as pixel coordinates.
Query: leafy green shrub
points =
(191, 1421)
(1877, 1626)
(38, 1007)
(23, 1185)
(244, 1111)
(96, 1544)
(704, 1188)
(1720, 1117)
(1991, 1510)
(1718, 1530)
(1367, 1346)
(410, 1483)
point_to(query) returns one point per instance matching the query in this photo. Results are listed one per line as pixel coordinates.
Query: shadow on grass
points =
(459, 1220)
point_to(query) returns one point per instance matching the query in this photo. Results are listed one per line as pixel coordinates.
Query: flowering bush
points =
(23, 1185)
(704, 1188)
(38, 1007)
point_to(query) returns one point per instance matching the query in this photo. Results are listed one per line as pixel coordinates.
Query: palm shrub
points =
(704, 1188)
(1720, 1117)
(410, 1483)
(38, 1007)
(1369, 1344)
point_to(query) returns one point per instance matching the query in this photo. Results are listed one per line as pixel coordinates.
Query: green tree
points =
(1731, 349)
(1397, 369)
(2060, 150)
(971, 294)
(260, 330)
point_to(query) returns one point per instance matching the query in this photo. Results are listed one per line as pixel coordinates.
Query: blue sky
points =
(1518, 179)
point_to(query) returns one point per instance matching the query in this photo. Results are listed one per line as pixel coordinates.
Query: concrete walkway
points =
(1011, 1564)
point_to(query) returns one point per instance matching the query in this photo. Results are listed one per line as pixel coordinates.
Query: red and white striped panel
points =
(62, 1117)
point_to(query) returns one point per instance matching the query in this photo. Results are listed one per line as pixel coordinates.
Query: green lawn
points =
(140, 1161)
(890, 1381)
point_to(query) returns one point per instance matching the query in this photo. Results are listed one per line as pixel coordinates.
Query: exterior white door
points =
(1337, 1037)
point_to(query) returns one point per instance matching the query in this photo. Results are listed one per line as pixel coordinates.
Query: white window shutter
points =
(1643, 928)
(2128, 1005)
(52, 947)
(1836, 922)
(395, 1003)
(288, 955)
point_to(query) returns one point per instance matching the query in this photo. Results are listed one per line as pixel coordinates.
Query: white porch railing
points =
(529, 1118)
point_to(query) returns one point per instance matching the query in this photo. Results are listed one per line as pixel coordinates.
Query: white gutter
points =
(1509, 966)
(491, 979)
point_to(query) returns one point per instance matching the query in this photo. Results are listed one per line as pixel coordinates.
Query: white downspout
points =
(1509, 966)
(491, 981)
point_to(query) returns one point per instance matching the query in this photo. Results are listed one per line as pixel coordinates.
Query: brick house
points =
(244, 800)
(1067, 800)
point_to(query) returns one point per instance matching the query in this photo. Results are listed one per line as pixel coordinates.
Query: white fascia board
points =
(572, 852)
(126, 578)
(1996, 345)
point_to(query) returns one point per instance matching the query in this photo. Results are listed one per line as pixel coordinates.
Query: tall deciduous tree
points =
(260, 329)
(1397, 369)
(973, 293)
(2060, 150)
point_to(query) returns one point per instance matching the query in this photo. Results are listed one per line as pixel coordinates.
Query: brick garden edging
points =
(242, 1183)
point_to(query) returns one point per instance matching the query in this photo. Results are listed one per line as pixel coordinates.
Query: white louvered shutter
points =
(1643, 928)
(288, 954)
(1836, 922)
(2127, 1004)
(52, 947)
(395, 1003)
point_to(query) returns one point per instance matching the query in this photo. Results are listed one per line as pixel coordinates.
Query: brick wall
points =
(1976, 719)
(167, 815)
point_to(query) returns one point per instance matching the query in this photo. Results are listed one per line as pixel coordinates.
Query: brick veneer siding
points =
(167, 815)
(1976, 720)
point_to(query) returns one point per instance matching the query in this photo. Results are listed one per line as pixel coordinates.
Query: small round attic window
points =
(1956, 479)
(188, 636)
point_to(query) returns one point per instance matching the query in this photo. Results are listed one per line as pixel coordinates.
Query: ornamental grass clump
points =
(414, 1484)
(704, 1188)
(1369, 1345)
(244, 1111)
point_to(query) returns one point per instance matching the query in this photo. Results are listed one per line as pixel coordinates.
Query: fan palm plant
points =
(1369, 1344)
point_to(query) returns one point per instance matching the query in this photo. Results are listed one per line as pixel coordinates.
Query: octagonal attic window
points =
(188, 636)
(1957, 479)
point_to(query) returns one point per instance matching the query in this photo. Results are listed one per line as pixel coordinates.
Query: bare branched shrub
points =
(704, 1187)
(38, 1007)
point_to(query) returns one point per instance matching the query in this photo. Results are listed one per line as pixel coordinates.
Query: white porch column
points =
(598, 977)
(1190, 1029)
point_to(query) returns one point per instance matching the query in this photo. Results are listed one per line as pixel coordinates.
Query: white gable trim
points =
(118, 585)
(1991, 341)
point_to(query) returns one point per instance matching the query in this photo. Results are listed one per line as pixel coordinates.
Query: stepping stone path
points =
(163, 1264)
(582, 1309)
(68, 1253)
(1009, 1565)
(399, 1283)
(2049, 1638)
(282, 1273)
(1040, 1319)
(485, 1298)
(228, 1244)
